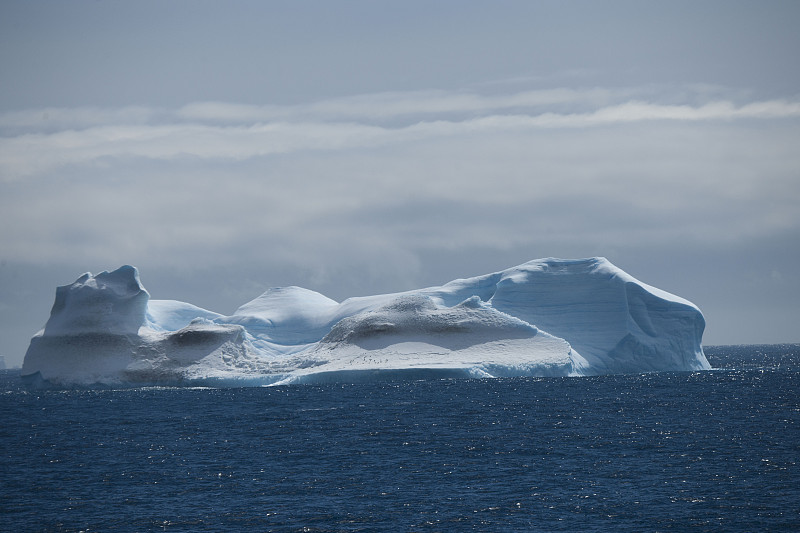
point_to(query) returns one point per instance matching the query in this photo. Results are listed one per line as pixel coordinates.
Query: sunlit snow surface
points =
(548, 317)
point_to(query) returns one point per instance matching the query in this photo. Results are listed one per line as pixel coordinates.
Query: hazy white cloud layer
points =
(43, 141)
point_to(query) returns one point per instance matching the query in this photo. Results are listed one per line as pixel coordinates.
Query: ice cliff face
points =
(544, 318)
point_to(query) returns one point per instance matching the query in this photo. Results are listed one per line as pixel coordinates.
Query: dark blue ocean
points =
(703, 451)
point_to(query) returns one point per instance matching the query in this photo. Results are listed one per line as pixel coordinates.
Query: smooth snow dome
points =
(287, 315)
(547, 317)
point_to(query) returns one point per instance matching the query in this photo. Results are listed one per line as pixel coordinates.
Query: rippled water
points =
(714, 450)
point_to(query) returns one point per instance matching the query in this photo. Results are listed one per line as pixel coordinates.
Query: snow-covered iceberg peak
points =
(286, 315)
(110, 303)
(613, 320)
(92, 332)
(543, 318)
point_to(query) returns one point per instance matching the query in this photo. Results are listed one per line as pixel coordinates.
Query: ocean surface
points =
(701, 451)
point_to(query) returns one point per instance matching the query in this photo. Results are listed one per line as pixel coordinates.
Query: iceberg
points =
(547, 317)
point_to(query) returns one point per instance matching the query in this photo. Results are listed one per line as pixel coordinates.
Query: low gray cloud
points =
(90, 135)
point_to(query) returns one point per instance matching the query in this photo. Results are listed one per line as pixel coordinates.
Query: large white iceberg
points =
(548, 317)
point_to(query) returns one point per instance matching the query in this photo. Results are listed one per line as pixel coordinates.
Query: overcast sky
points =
(362, 147)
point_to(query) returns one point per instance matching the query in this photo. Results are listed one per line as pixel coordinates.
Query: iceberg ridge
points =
(547, 317)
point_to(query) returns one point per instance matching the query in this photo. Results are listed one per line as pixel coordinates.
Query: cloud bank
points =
(39, 141)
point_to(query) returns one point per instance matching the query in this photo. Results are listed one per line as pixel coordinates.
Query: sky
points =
(364, 147)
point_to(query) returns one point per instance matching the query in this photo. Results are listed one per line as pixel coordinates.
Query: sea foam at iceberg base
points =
(547, 317)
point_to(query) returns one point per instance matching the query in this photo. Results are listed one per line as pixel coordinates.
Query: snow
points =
(109, 303)
(548, 317)
(172, 315)
(286, 316)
